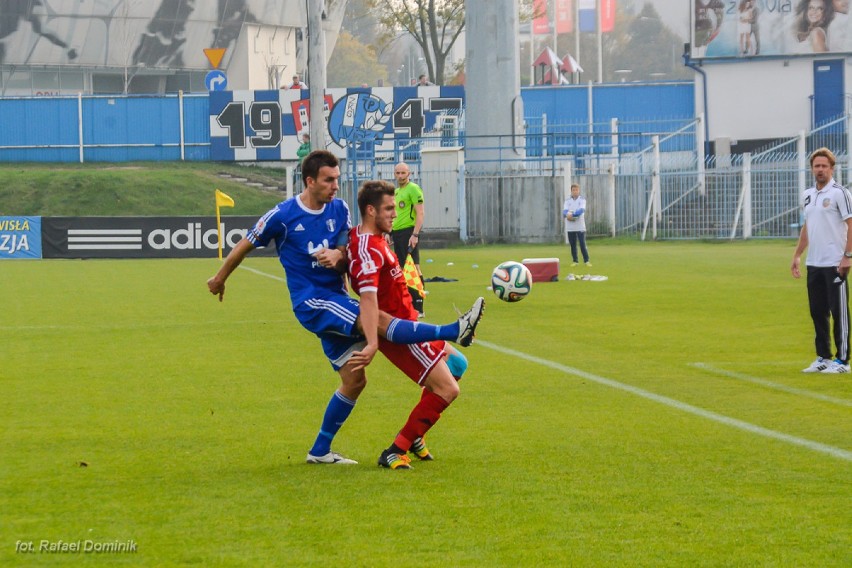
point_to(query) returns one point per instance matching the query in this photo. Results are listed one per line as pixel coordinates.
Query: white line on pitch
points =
(771, 385)
(274, 277)
(720, 418)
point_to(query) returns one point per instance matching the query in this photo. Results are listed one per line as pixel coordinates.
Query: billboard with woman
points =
(754, 28)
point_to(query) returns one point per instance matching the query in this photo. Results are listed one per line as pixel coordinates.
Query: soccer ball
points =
(511, 281)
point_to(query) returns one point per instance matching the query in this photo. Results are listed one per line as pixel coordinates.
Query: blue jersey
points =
(298, 233)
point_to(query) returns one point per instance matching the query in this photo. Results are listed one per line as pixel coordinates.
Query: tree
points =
(647, 47)
(434, 25)
(353, 64)
(360, 21)
(639, 43)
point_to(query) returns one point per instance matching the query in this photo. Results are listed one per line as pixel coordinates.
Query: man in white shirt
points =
(827, 234)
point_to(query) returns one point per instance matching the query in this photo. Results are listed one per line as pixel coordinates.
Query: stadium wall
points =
(175, 127)
(104, 129)
(598, 104)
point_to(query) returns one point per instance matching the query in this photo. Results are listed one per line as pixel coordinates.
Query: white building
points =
(769, 71)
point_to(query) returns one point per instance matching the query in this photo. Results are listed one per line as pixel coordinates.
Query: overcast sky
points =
(675, 13)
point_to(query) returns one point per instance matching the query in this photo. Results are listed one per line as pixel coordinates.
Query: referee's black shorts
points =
(400, 245)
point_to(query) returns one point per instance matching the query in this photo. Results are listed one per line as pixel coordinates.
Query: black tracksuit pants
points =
(828, 297)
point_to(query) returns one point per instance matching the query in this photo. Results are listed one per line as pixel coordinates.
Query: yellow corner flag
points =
(412, 277)
(222, 200)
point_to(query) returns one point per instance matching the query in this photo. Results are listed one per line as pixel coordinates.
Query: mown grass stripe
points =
(770, 384)
(720, 418)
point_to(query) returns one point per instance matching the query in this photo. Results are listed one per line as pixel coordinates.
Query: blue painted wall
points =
(117, 129)
(641, 109)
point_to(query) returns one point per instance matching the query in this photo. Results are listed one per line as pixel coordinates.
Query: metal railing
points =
(667, 189)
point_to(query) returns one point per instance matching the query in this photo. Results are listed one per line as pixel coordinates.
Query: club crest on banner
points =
(359, 117)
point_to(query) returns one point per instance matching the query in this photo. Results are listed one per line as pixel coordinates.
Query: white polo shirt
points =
(577, 223)
(826, 212)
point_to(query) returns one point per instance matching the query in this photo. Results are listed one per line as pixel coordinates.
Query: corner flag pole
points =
(222, 200)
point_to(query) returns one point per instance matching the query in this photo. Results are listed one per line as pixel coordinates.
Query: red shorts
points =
(416, 360)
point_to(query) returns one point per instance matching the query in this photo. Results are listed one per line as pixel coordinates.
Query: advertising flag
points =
(607, 15)
(541, 22)
(564, 10)
(589, 15)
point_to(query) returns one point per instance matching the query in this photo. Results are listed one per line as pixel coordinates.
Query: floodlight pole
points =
(600, 41)
(316, 73)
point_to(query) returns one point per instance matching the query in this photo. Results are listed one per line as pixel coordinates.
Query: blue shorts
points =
(332, 319)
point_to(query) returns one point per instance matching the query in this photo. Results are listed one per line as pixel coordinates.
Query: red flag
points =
(607, 15)
(564, 17)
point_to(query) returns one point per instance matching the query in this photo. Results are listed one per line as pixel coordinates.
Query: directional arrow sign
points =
(216, 80)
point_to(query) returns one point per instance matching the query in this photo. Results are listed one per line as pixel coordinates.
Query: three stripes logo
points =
(140, 237)
(104, 239)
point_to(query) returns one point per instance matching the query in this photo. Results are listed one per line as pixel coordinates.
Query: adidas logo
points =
(299, 227)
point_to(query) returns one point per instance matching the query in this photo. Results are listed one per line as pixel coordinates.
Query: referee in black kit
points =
(827, 234)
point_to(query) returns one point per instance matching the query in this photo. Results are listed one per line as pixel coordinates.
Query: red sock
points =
(423, 417)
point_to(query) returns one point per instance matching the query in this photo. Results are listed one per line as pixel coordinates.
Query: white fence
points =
(665, 191)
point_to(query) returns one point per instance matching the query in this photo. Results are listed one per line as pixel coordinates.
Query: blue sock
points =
(336, 413)
(405, 331)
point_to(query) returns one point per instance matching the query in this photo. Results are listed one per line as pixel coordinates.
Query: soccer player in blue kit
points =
(310, 232)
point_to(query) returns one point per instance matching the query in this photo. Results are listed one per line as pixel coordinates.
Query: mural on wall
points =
(118, 33)
(266, 125)
(755, 28)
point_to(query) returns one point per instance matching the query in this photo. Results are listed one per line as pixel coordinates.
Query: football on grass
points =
(511, 281)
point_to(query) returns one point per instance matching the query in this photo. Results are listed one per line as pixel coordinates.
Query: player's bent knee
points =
(441, 382)
(352, 382)
(449, 392)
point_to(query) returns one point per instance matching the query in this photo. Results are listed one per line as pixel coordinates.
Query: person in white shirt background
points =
(575, 223)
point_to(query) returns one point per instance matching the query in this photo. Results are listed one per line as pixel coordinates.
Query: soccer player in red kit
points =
(377, 278)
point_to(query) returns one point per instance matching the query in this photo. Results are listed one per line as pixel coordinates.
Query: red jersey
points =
(373, 267)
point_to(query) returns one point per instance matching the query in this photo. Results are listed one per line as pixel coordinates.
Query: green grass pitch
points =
(659, 418)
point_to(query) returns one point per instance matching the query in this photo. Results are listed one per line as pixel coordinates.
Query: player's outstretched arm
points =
(216, 284)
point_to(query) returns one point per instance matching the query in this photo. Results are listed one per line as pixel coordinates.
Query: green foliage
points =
(360, 21)
(354, 64)
(435, 25)
(161, 188)
(646, 47)
(193, 419)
